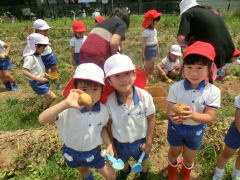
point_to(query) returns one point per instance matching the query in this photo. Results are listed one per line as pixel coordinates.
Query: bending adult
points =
(105, 38)
(199, 23)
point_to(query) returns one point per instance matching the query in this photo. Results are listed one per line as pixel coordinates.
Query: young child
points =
(5, 66)
(169, 67)
(83, 128)
(150, 48)
(50, 61)
(201, 100)
(232, 144)
(34, 68)
(234, 61)
(76, 42)
(99, 19)
(132, 113)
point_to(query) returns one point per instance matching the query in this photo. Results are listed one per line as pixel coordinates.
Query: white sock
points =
(235, 173)
(219, 172)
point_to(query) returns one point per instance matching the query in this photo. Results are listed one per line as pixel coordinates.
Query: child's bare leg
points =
(172, 74)
(145, 165)
(173, 153)
(237, 163)
(188, 156)
(7, 76)
(50, 97)
(85, 171)
(224, 156)
(107, 172)
(149, 66)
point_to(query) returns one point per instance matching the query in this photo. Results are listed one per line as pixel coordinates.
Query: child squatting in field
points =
(34, 68)
(82, 129)
(201, 100)
(5, 67)
(232, 144)
(132, 113)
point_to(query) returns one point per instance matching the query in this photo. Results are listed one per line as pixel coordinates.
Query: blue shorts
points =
(232, 139)
(49, 60)
(190, 136)
(127, 150)
(38, 87)
(5, 64)
(151, 52)
(92, 158)
(77, 58)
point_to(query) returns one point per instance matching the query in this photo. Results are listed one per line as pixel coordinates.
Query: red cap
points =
(99, 19)
(78, 26)
(201, 48)
(149, 15)
(236, 52)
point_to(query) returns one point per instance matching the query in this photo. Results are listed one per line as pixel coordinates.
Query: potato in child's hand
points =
(84, 100)
(178, 109)
(2, 56)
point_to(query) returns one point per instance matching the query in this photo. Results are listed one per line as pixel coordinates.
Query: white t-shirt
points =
(237, 101)
(2, 49)
(35, 65)
(77, 43)
(205, 95)
(130, 123)
(81, 131)
(151, 35)
(47, 50)
(170, 65)
(237, 62)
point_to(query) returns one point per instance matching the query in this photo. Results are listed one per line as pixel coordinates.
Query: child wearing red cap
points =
(77, 41)
(82, 128)
(232, 144)
(200, 101)
(223, 72)
(150, 48)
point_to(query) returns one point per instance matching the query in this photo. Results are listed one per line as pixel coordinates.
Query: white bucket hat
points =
(41, 25)
(176, 50)
(118, 63)
(187, 4)
(32, 41)
(89, 71)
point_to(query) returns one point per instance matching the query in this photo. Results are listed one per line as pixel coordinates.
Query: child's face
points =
(233, 59)
(79, 34)
(94, 90)
(195, 73)
(40, 48)
(43, 32)
(123, 82)
(173, 57)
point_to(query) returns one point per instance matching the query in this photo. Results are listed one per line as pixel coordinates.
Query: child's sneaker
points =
(8, 86)
(15, 86)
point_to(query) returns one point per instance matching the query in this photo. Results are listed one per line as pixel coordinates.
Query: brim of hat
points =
(157, 15)
(118, 71)
(236, 52)
(43, 43)
(176, 53)
(45, 28)
(89, 79)
(197, 53)
(146, 23)
(80, 30)
(188, 7)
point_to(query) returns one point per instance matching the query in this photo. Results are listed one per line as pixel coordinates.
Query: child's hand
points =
(188, 113)
(42, 80)
(47, 75)
(110, 150)
(146, 147)
(72, 99)
(176, 119)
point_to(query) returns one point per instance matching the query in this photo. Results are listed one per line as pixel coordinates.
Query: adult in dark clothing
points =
(201, 24)
(105, 38)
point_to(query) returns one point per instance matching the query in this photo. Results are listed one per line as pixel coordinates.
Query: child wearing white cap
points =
(50, 61)
(34, 68)
(132, 113)
(169, 67)
(82, 129)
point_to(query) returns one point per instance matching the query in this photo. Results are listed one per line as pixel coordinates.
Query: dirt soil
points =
(25, 143)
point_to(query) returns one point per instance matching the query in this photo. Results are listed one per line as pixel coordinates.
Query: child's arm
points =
(27, 73)
(115, 42)
(107, 140)
(7, 49)
(237, 118)
(50, 114)
(147, 146)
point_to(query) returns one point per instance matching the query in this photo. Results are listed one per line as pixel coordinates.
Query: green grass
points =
(22, 112)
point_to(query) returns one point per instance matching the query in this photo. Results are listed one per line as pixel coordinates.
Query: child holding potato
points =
(5, 66)
(201, 101)
(81, 123)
